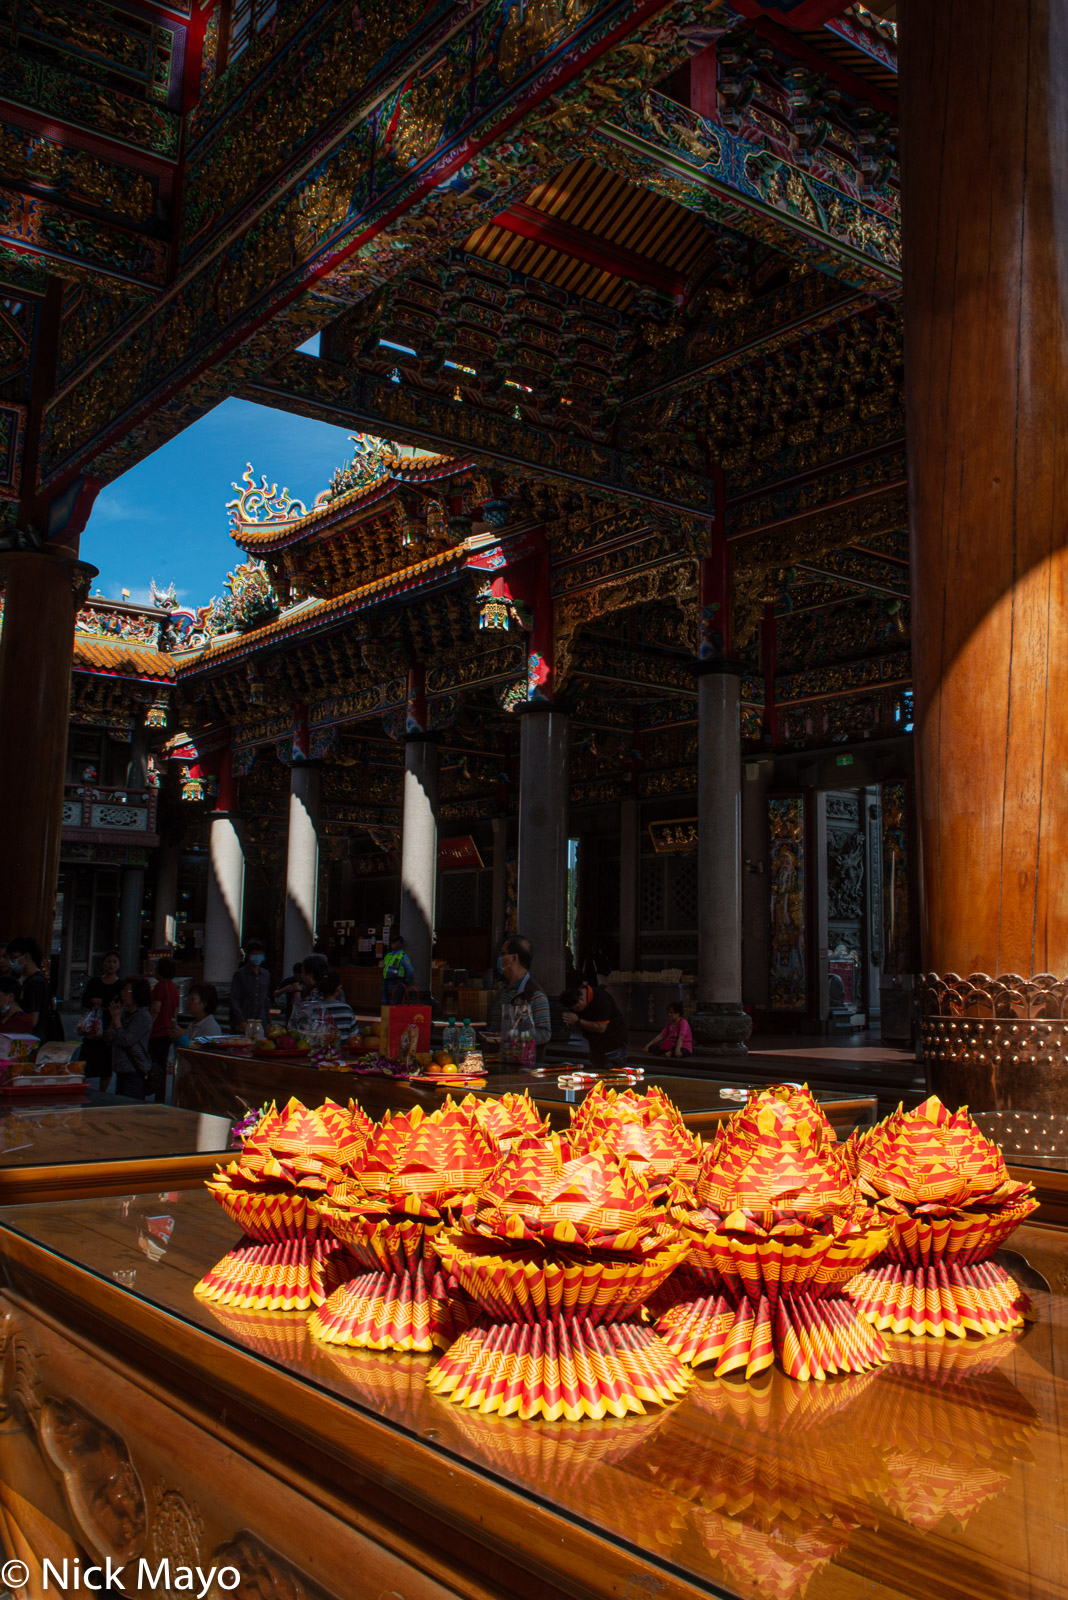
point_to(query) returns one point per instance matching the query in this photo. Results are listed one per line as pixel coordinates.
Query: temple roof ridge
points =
(265, 516)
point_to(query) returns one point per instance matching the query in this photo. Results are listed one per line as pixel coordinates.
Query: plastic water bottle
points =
(450, 1042)
(526, 1040)
(467, 1037)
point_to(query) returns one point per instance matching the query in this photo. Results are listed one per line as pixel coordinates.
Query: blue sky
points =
(166, 518)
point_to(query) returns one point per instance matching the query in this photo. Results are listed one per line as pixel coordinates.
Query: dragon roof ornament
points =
(262, 502)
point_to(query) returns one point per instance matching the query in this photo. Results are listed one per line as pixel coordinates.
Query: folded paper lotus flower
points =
(945, 1191)
(776, 1231)
(646, 1128)
(285, 1262)
(559, 1250)
(388, 1212)
(509, 1117)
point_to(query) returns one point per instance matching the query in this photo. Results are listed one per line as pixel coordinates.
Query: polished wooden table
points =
(138, 1421)
(231, 1085)
(52, 1149)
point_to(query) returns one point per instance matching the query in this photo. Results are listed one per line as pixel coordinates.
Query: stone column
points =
(226, 883)
(131, 901)
(543, 816)
(419, 852)
(166, 907)
(630, 865)
(302, 863)
(43, 590)
(720, 1026)
(500, 885)
(984, 116)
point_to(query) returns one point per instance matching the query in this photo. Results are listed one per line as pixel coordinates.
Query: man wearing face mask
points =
(250, 990)
(513, 964)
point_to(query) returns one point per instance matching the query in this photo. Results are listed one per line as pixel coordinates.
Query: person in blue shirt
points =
(397, 971)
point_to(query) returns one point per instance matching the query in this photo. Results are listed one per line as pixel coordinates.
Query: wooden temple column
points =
(419, 831)
(720, 1026)
(302, 847)
(985, 185)
(43, 590)
(544, 789)
(226, 881)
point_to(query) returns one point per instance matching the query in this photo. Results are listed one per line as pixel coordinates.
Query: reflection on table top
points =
(45, 1133)
(939, 1476)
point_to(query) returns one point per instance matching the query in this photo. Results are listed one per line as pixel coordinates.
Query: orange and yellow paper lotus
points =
(507, 1118)
(776, 1231)
(948, 1197)
(560, 1250)
(646, 1128)
(286, 1262)
(388, 1213)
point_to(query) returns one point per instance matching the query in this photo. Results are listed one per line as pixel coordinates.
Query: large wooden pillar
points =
(985, 130)
(42, 593)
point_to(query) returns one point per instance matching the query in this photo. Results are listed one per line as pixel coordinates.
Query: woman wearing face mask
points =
(97, 995)
(250, 990)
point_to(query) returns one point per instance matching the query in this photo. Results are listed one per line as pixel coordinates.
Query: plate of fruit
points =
(282, 1042)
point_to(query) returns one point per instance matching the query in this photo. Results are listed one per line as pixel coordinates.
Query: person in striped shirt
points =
(335, 1005)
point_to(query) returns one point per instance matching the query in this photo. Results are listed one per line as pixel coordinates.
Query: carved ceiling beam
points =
(580, 245)
(772, 333)
(808, 536)
(315, 387)
(410, 166)
(730, 181)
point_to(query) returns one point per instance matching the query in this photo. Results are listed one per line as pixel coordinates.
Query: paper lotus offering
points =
(286, 1262)
(646, 1128)
(776, 1231)
(947, 1195)
(507, 1118)
(388, 1212)
(559, 1251)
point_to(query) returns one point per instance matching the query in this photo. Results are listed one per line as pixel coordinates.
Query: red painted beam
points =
(530, 223)
(795, 13)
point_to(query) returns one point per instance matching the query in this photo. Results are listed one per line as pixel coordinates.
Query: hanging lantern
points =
(494, 614)
(193, 787)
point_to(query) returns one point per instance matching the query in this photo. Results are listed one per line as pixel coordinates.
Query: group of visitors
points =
(130, 1023)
